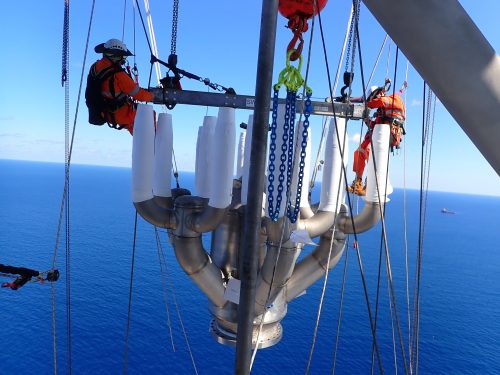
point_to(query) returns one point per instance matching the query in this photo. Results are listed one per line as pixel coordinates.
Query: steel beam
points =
(172, 97)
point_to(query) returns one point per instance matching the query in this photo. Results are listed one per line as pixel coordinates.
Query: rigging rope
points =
(163, 268)
(384, 231)
(341, 303)
(348, 197)
(334, 88)
(124, 17)
(65, 195)
(127, 331)
(406, 237)
(171, 286)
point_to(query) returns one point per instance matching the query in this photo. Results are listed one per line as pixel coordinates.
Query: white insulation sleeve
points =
(204, 157)
(241, 155)
(379, 157)
(197, 163)
(332, 171)
(246, 161)
(143, 154)
(222, 163)
(164, 144)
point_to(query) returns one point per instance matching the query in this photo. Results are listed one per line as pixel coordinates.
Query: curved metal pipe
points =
(206, 220)
(197, 265)
(312, 268)
(284, 268)
(367, 219)
(155, 214)
(306, 212)
(318, 224)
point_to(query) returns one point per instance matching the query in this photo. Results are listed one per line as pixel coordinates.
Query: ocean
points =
(460, 287)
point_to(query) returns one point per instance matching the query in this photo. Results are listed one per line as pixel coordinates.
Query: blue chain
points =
(286, 156)
(272, 157)
(305, 132)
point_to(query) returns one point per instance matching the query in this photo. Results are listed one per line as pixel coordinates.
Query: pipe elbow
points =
(318, 224)
(207, 220)
(368, 218)
(156, 215)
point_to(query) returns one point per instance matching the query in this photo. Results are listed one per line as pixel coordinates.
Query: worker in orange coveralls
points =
(390, 111)
(117, 87)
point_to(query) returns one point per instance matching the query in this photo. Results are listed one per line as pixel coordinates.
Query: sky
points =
(217, 40)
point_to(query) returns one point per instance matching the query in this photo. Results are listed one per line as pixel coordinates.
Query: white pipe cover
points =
(246, 161)
(204, 159)
(332, 170)
(143, 154)
(379, 156)
(222, 163)
(164, 143)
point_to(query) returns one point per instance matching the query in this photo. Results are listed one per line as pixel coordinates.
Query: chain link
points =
(305, 133)
(175, 16)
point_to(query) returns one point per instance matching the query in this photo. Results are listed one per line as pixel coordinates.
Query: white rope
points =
(154, 48)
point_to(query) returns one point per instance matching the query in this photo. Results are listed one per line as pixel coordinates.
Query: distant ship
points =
(446, 211)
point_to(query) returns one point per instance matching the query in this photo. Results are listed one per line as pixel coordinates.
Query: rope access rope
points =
(184, 332)
(350, 203)
(382, 235)
(405, 235)
(334, 88)
(341, 303)
(127, 331)
(427, 122)
(163, 287)
(384, 231)
(124, 17)
(323, 291)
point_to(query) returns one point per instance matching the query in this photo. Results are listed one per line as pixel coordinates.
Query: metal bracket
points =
(214, 99)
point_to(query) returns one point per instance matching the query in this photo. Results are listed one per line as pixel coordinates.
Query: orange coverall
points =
(124, 86)
(389, 107)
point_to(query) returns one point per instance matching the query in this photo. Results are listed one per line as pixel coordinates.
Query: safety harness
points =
(25, 275)
(99, 106)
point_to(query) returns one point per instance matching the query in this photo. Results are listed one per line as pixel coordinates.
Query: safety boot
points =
(357, 187)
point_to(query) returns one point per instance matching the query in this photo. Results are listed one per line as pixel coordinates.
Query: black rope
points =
(127, 332)
(341, 149)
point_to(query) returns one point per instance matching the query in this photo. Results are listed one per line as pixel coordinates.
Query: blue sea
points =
(460, 287)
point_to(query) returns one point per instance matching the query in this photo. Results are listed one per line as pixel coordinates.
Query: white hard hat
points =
(374, 90)
(113, 47)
